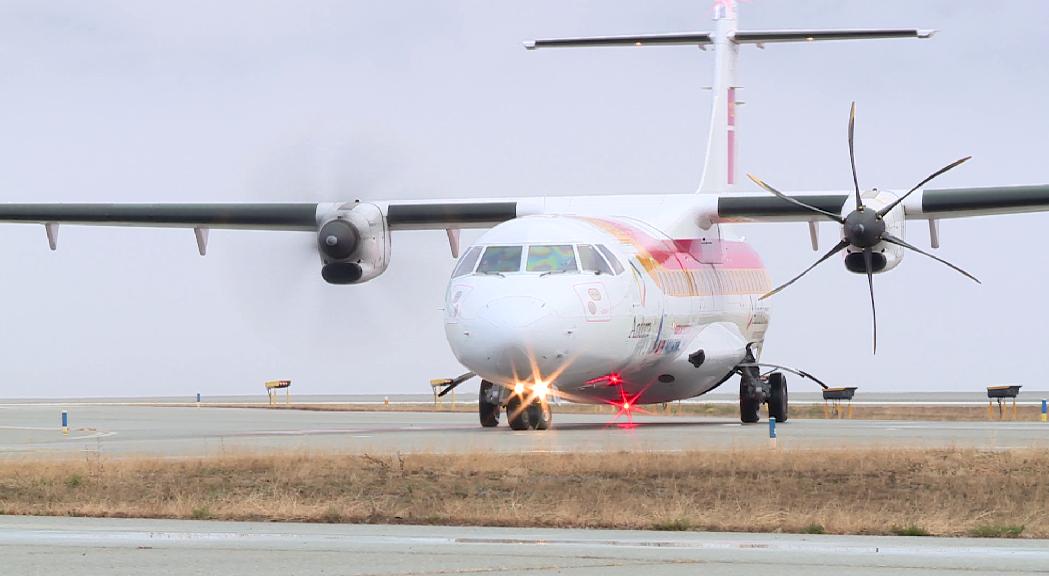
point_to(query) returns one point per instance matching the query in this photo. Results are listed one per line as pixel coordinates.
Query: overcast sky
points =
(130, 101)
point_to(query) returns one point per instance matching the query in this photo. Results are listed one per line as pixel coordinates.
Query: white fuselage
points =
(529, 303)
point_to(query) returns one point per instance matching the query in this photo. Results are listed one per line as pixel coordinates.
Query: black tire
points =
(517, 413)
(540, 416)
(778, 397)
(748, 407)
(489, 412)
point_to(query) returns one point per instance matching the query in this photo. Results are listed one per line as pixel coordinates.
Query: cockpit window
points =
(559, 258)
(467, 262)
(611, 259)
(591, 261)
(500, 259)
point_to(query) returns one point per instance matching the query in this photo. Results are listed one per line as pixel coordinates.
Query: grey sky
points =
(264, 101)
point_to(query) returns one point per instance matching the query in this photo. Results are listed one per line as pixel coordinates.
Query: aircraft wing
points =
(401, 215)
(364, 226)
(928, 204)
(243, 216)
(484, 213)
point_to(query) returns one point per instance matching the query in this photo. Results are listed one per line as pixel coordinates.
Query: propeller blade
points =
(841, 246)
(852, 156)
(886, 210)
(867, 257)
(836, 217)
(899, 242)
(796, 372)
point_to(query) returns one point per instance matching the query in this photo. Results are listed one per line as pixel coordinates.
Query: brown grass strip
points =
(939, 492)
(1025, 413)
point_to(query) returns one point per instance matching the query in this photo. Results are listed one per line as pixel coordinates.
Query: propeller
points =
(863, 228)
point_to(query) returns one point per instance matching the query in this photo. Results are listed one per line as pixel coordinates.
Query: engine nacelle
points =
(886, 256)
(354, 243)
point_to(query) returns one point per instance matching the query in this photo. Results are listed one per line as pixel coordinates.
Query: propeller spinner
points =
(863, 228)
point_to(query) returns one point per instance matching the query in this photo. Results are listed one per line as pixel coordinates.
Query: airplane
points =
(625, 300)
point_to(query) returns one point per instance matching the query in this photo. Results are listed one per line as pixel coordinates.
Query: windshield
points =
(558, 258)
(611, 258)
(500, 259)
(592, 261)
(466, 264)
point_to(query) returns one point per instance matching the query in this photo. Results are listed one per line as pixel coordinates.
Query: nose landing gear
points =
(522, 413)
(517, 413)
(488, 404)
(540, 416)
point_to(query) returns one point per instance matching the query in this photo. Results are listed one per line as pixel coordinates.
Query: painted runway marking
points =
(91, 436)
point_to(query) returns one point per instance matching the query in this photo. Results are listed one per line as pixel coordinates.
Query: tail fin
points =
(720, 165)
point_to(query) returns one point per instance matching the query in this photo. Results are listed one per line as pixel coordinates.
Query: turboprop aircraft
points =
(627, 300)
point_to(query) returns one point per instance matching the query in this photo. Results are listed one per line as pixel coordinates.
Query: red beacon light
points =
(612, 379)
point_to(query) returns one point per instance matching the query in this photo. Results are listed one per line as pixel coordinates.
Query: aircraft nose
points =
(510, 337)
(514, 311)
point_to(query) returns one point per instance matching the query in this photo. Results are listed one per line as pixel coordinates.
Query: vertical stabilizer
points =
(719, 168)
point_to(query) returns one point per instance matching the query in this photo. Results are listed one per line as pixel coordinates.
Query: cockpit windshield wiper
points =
(491, 273)
(548, 272)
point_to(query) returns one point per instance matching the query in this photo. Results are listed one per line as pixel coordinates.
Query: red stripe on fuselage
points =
(685, 254)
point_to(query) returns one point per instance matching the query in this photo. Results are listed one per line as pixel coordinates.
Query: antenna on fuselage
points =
(720, 165)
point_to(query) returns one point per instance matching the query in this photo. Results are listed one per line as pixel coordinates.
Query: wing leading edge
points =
(929, 204)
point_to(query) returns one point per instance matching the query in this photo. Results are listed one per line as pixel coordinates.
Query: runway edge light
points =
(65, 422)
(772, 431)
(1045, 410)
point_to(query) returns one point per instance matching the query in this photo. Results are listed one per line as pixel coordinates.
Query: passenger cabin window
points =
(498, 259)
(559, 258)
(591, 260)
(611, 259)
(467, 262)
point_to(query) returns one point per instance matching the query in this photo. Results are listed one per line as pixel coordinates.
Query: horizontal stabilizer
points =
(680, 39)
(770, 36)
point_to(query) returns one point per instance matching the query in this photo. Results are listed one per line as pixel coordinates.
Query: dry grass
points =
(941, 492)
(799, 411)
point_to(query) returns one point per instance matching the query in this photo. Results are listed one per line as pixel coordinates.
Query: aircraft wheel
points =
(748, 406)
(778, 397)
(488, 411)
(517, 413)
(540, 416)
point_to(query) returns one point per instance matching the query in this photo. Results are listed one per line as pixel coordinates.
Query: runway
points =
(114, 547)
(33, 431)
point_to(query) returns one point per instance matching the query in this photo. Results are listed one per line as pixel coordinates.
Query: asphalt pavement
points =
(114, 547)
(33, 430)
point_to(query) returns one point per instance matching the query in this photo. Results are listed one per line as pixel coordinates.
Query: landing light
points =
(541, 388)
(519, 388)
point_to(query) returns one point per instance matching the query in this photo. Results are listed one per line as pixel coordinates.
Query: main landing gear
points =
(755, 390)
(523, 411)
